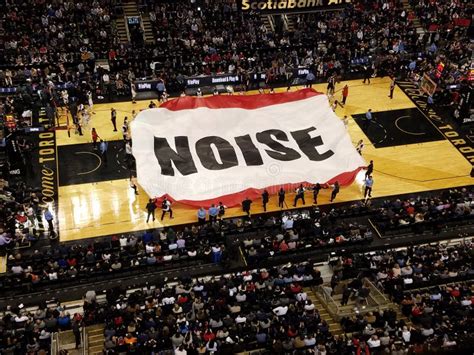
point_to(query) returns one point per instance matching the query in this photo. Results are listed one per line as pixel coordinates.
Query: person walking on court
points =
(201, 215)
(370, 169)
(392, 86)
(360, 146)
(133, 184)
(246, 205)
(150, 207)
(113, 118)
(316, 189)
(299, 195)
(281, 197)
(95, 137)
(48, 216)
(369, 182)
(367, 73)
(166, 208)
(265, 198)
(368, 119)
(345, 120)
(331, 85)
(103, 151)
(335, 191)
(345, 93)
(310, 79)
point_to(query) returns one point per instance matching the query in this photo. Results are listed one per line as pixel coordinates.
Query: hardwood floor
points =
(110, 207)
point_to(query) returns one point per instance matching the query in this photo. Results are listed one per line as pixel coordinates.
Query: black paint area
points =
(81, 163)
(398, 127)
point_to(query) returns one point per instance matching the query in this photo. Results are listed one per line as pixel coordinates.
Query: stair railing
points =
(54, 343)
(85, 341)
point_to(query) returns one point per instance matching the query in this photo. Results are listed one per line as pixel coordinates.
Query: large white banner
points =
(224, 148)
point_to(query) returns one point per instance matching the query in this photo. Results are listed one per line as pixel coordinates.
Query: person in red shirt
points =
(345, 93)
(95, 137)
(283, 246)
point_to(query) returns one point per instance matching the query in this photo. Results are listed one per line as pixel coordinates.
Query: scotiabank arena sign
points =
(287, 6)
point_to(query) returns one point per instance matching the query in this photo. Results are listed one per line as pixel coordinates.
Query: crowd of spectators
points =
(70, 263)
(20, 215)
(28, 330)
(411, 267)
(420, 213)
(254, 309)
(432, 283)
(262, 238)
(270, 308)
(49, 44)
(294, 233)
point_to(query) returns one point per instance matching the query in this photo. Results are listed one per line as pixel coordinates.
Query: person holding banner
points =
(221, 208)
(299, 195)
(316, 189)
(165, 208)
(265, 198)
(246, 206)
(335, 191)
(281, 197)
(369, 182)
(150, 208)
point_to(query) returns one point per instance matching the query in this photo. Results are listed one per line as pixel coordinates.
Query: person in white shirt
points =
(240, 319)
(21, 318)
(309, 306)
(280, 310)
(241, 297)
(406, 334)
(168, 300)
(301, 296)
(180, 350)
(89, 100)
(149, 248)
(17, 269)
(466, 302)
(374, 342)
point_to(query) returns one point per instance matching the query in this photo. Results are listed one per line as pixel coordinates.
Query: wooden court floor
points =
(110, 207)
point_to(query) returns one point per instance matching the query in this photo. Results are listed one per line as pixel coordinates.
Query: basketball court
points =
(410, 150)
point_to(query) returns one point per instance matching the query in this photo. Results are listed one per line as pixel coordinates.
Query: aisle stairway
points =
(147, 29)
(121, 29)
(416, 22)
(67, 341)
(290, 21)
(95, 339)
(268, 22)
(129, 8)
(334, 325)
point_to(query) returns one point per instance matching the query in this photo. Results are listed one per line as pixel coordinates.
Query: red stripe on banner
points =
(247, 102)
(235, 199)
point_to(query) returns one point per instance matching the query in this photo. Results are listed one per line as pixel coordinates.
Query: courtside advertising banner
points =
(202, 150)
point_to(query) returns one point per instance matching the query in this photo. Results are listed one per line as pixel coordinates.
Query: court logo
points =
(455, 138)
